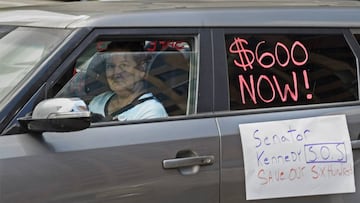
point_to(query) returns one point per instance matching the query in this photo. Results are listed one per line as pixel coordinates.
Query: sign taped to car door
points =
(299, 157)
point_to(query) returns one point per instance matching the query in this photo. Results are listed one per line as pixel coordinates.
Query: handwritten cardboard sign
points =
(309, 156)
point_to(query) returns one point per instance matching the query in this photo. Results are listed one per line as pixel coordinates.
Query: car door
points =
(113, 164)
(173, 159)
(249, 56)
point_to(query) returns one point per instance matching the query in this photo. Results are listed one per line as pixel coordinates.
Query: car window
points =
(138, 75)
(21, 50)
(5, 29)
(357, 36)
(271, 70)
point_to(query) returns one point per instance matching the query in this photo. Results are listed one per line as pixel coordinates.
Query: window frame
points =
(204, 72)
(356, 32)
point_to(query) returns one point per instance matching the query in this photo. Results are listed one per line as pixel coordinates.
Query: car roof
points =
(198, 13)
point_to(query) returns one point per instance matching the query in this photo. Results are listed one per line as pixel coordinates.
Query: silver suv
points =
(180, 101)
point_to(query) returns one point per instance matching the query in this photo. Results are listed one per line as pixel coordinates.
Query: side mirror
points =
(58, 115)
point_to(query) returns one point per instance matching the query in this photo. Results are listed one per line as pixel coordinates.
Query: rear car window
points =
(272, 70)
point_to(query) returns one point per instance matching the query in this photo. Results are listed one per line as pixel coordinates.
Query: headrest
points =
(95, 79)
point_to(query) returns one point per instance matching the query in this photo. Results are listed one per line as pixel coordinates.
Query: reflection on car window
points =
(21, 50)
(287, 70)
(136, 79)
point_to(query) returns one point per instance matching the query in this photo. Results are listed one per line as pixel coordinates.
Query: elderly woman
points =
(128, 98)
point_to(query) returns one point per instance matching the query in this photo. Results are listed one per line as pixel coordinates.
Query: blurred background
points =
(12, 3)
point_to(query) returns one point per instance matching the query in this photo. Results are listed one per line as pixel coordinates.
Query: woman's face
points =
(122, 74)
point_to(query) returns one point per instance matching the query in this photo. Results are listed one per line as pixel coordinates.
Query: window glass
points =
(136, 79)
(269, 70)
(5, 29)
(357, 36)
(21, 50)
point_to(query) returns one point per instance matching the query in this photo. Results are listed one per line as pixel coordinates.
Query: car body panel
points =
(233, 175)
(124, 164)
(194, 14)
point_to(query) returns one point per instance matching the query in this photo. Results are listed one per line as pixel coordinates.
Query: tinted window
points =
(269, 70)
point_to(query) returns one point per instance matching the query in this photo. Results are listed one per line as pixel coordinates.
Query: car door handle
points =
(188, 161)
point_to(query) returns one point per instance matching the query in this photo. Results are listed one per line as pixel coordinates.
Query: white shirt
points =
(151, 108)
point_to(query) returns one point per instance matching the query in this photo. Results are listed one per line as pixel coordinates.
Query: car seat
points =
(168, 80)
(95, 79)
